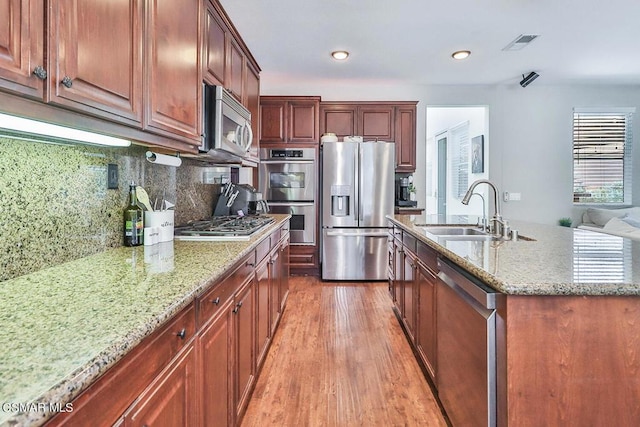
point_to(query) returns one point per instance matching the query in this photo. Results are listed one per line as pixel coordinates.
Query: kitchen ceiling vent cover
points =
(521, 42)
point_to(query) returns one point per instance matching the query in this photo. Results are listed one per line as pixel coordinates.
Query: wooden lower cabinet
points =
(171, 399)
(200, 368)
(426, 318)
(263, 309)
(304, 260)
(216, 382)
(244, 339)
(409, 293)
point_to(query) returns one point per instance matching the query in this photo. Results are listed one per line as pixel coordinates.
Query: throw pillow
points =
(602, 216)
(631, 220)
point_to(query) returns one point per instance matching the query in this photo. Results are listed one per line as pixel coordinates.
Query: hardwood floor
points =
(340, 358)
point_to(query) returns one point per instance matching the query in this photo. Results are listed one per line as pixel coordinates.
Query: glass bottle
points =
(133, 220)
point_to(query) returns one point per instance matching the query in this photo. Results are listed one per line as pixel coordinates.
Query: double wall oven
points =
(288, 183)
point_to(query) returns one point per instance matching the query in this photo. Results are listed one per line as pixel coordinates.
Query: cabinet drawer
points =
(107, 399)
(409, 242)
(263, 249)
(210, 302)
(428, 256)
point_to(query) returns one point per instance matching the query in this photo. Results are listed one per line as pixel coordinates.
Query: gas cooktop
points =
(222, 228)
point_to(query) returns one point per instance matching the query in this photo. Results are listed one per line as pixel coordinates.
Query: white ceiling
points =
(411, 41)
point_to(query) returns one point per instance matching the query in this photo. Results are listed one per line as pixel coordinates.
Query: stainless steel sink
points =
(457, 233)
(454, 231)
(462, 232)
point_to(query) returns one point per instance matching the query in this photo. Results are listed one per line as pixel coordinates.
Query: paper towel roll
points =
(163, 159)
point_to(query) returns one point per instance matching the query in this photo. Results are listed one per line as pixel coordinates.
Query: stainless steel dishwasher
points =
(466, 347)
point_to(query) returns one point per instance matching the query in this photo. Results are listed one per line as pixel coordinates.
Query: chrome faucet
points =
(485, 224)
(497, 224)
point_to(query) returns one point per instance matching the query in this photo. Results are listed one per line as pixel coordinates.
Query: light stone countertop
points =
(560, 261)
(62, 327)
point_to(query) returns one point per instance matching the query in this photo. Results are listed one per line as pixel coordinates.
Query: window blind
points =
(602, 142)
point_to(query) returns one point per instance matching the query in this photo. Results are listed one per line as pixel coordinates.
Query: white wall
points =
(531, 133)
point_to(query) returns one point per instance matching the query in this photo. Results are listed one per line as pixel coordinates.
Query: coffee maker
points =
(403, 195)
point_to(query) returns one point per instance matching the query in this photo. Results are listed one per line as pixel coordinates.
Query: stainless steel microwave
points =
(226, 126)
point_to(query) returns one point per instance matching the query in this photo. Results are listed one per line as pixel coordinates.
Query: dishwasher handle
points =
(456, 279)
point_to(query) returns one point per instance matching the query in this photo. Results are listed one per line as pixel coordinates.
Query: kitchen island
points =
(566, 320)
(63, 327)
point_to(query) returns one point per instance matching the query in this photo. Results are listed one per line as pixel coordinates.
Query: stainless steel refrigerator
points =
(357, 194)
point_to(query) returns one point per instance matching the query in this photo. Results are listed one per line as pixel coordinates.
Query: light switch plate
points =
(112, 176)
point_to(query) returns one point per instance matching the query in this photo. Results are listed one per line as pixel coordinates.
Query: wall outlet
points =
(112, 176)
(510, 197)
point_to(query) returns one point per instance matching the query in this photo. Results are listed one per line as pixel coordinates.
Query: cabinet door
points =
(236, 71)
(263, 330)
(244, 331)
(399, 275)
(303, 121)
(275, 271)
(21, 46)
(339, 119)
(215, 47)
(96, 57)
(409, 294)
(284, 273)
(252, 102)
(173, 81)
(272, 121)
(426, 325)
(216, 380)
(170, 400)
(376, 122)
(406, 139)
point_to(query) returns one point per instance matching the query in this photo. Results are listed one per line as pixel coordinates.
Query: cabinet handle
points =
(216, 301)
(67, 82)
(182, 333)
(40, 72)
(250, 264)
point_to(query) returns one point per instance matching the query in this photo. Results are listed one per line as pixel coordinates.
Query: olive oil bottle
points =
(133, 220)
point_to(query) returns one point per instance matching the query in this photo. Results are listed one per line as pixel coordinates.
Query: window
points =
(460, 168)
(602, 141)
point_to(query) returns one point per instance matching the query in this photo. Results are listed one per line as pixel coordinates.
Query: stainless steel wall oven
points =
(288, 183)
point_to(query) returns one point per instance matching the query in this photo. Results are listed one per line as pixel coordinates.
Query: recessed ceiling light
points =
(340, 55)
(461, 54)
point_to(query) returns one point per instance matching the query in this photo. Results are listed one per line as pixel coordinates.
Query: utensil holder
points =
(163, 220)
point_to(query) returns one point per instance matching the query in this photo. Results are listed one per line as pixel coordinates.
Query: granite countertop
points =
(558, 261)
(62, 327)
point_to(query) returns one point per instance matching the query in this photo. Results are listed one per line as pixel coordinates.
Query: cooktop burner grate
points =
(224, 226)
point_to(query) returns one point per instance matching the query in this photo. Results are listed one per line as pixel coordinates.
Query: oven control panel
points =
(277, 154)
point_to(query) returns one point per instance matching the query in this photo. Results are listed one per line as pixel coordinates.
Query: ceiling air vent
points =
(521, 41)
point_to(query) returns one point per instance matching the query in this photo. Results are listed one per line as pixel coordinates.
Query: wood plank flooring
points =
(340, 358)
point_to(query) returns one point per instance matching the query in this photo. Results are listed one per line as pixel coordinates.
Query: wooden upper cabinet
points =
(252, 102)
(21, 46)
(236, 70)
(289, 119)
(215, 47)
(303, 121)
(96, 57)
(173, 76)
(339, 119)
(272, 121)
(384, 121)
(406, 138)
(376, 122)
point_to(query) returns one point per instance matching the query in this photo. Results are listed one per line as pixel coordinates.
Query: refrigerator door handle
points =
(356, 234)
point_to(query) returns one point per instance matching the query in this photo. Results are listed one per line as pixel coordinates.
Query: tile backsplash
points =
(55, 205)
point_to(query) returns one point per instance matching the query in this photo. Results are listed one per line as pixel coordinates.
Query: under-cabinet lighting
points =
(34, 130)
